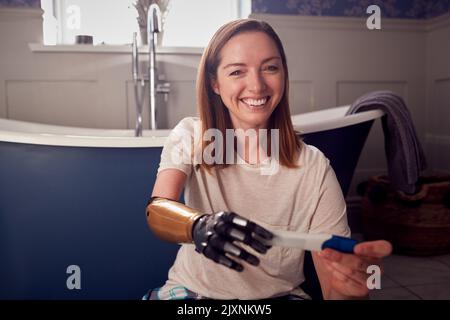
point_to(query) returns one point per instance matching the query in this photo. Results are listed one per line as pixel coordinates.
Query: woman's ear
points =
(215, 86)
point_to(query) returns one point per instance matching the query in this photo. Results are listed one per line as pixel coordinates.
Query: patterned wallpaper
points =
(21, 3)
(404, 9)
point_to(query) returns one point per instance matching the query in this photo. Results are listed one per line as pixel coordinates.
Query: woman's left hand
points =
(348, 273)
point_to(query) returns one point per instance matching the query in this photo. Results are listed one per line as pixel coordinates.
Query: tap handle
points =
(154, 18)
(163, 87)
(135, 58)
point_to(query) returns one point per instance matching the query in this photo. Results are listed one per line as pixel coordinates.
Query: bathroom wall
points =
(332, 61)
(88, 89)
(335, 60)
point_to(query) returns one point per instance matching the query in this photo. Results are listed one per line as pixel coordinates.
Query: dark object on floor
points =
(377, 194)
(416, 225)
(447, 199)
(361, 188)
(405, 157)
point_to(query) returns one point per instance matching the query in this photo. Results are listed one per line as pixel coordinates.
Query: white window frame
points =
(239, 8)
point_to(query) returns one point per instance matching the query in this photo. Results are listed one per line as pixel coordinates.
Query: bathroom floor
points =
(414, 278)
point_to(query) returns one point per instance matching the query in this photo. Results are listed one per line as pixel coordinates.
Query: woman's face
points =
(250, 79)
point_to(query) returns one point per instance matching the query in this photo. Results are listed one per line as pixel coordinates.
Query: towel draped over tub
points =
(405, 156)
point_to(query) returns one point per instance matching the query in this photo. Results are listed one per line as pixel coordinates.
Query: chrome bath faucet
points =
(153, 27)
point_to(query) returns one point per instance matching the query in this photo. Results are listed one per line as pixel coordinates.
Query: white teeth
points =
(255, 102)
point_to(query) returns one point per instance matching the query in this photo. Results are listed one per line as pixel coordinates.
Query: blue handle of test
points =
(341, 244)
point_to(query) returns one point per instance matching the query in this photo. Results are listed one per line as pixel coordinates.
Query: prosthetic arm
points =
(215, 235)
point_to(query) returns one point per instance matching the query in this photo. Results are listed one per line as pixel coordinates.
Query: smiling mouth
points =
(255, 103)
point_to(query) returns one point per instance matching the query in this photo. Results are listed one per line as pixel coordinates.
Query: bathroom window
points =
(189, 23)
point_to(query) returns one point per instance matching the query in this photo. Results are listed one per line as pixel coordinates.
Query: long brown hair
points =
(208, 103)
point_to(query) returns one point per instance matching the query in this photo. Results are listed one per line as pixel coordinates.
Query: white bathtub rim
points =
(51, 129)
(115, 138)
(310, 122)
(56, 135)
(81, 141)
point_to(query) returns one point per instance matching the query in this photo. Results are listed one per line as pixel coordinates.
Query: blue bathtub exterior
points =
(63, 206)
(342, 146)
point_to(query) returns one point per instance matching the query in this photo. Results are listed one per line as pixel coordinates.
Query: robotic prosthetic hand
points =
(217, 235)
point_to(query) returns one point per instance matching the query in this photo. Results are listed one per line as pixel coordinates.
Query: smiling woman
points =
(231, 211)
(113, 22)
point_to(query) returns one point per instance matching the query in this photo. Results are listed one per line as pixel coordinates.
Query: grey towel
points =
(405, 157)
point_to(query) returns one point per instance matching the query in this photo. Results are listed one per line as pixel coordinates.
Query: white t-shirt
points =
(304, 199)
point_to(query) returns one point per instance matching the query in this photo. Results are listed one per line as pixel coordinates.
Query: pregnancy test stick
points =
(310, 242)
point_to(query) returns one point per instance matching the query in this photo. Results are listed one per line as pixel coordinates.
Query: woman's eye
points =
(235, 73)
(271, 68)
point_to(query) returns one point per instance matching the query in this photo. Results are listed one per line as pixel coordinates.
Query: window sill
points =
(103, 48)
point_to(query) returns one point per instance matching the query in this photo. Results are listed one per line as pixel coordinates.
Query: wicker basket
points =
(418, 224)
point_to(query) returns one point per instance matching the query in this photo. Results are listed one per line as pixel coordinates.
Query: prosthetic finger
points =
(260, 231)
(213, 254)
(226, 246)
(247, 225)
(258, 246)
(242, 235)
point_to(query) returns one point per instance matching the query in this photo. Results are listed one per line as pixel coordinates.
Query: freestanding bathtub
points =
(76, 197)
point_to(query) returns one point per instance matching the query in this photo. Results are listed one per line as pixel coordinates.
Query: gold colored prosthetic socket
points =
(170, 220)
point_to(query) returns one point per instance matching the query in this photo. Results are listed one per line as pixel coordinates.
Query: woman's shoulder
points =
(186, 128)
(311, 156)
(188, 124)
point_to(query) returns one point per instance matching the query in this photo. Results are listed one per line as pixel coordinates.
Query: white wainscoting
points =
(438, 93)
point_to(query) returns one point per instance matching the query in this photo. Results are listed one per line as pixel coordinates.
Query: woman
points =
(232, 209)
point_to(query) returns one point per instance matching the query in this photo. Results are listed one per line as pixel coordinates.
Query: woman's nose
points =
(256, 82)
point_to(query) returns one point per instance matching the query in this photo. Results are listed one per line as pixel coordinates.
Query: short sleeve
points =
(178, 147)
(330, 215)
